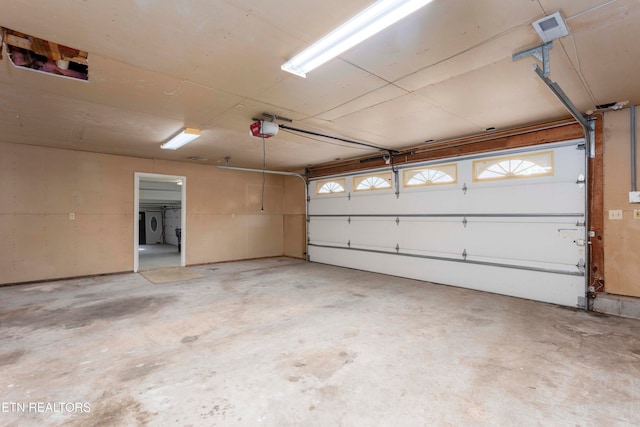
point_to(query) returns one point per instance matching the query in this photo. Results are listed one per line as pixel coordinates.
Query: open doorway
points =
(159, 221)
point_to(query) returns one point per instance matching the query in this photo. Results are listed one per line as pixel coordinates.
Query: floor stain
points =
(111, 410)
(351, 333)
(17, 313)
(582, 330)
(261, 270)
(218, 410)
(323, 364)
(140, 370)
(11, 357)
(479, 321)
(74, 325)
(478, 413)
(92, 296)
(190, 338)
(36, 317)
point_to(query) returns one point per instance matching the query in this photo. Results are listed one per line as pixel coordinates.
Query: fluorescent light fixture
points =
(370, 21)
(186, 136)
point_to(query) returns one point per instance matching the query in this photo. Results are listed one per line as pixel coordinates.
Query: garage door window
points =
(330, 186)
(379, 181)
(509, 167)
(433, 175)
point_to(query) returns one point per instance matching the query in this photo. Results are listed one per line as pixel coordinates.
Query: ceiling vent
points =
(551, 27)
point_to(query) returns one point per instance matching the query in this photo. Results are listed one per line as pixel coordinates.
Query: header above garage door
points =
(557, 131)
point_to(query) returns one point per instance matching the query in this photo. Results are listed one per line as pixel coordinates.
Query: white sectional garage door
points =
(510, 222)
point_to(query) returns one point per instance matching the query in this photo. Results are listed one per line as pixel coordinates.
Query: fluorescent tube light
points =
(186, 136)
(370, 21)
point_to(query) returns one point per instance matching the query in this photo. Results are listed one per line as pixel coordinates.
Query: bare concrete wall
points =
(41, 186)
(621, 237)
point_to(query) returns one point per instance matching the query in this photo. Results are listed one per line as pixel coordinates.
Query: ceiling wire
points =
(584, 12)
(542, 7)
(578, 68)
(182, 83)
(462, 52)
(578, 65)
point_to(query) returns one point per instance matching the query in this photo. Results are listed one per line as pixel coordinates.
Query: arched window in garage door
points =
(378, 181)
(331, 186)
(430, 175)
(509, 167)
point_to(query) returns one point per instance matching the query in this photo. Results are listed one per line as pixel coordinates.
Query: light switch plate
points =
(615, 214)
(636, 214)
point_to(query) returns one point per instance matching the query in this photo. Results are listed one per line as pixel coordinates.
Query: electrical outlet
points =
(72, 216)
(636, 214)
(615, 214)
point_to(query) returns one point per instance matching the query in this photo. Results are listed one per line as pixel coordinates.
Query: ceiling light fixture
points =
(184, 137)
(370, 21)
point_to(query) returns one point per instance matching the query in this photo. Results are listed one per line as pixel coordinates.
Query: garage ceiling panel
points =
(155, 67)
(483, 96)
(415, 118)
(437, 32)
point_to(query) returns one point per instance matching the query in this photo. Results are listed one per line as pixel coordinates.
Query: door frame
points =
(136, 208)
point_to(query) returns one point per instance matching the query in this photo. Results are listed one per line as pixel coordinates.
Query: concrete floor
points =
(281, 342)
(157, 256)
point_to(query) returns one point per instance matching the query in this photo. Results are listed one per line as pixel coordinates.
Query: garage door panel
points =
(329, 230)
(556, 197)
(374, 232)
(541, 198)
(432, 235)
(540, 286)
(328, 204)
(425, 202)
(539, 242)
(373, 201)
(521, 236)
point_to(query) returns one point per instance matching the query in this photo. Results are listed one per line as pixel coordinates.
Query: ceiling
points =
(444, 72)
(160, 191)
